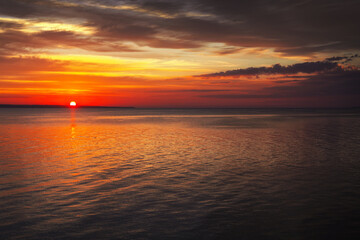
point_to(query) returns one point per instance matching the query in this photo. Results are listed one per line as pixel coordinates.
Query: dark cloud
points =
(290, 28)
(18, 42)
(9, 25)
(340, 86)
(326, 80)
(71, 39)
(18, 8)
(169, 7)
(301, 27)
(335, 59)
(306, 67)
(343, 59)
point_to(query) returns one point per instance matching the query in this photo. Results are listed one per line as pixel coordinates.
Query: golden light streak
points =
(44, 90)
(50, 26)
(104, 74)
(136, 9)
(30, 26)
(107, 66)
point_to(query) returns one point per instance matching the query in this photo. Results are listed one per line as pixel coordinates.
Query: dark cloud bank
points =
(329, 64)
(326, 80)
(306, 67)
(290, 27)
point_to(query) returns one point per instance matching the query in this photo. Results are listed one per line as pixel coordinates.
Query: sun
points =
(72, 104)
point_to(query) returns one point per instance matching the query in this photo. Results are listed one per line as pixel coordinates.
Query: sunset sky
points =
(200, 53)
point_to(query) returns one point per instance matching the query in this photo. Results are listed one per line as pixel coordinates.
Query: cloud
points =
(345, 83)
(4, 25)
(170, 7)
(290, 28)
(19, 42)
(23, 65)
(306, 67)
(333, 88)
(71, 39)
(344, 59)
(320, 81)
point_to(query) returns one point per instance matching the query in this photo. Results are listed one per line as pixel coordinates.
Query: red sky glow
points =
(201, 53)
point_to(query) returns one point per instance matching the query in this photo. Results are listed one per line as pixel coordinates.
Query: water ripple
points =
(148, 175)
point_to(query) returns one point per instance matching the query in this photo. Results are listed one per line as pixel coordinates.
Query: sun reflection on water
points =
(175, 172)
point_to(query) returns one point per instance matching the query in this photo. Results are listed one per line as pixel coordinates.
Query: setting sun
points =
(72, 104)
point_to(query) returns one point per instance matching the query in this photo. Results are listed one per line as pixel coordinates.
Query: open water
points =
(179, 174)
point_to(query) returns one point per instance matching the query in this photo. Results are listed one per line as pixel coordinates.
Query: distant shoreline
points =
(53, 106)
(188, 108)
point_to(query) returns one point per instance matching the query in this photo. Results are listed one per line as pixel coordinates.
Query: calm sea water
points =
(179, 174)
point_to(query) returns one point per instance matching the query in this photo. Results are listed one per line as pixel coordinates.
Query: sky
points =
(178, 53)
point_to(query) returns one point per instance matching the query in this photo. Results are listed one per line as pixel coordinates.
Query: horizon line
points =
(56, 106)
(132, 107)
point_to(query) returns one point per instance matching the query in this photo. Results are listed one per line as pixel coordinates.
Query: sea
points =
(129, 173)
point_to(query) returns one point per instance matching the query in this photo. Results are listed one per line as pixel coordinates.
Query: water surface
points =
(179, 174)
